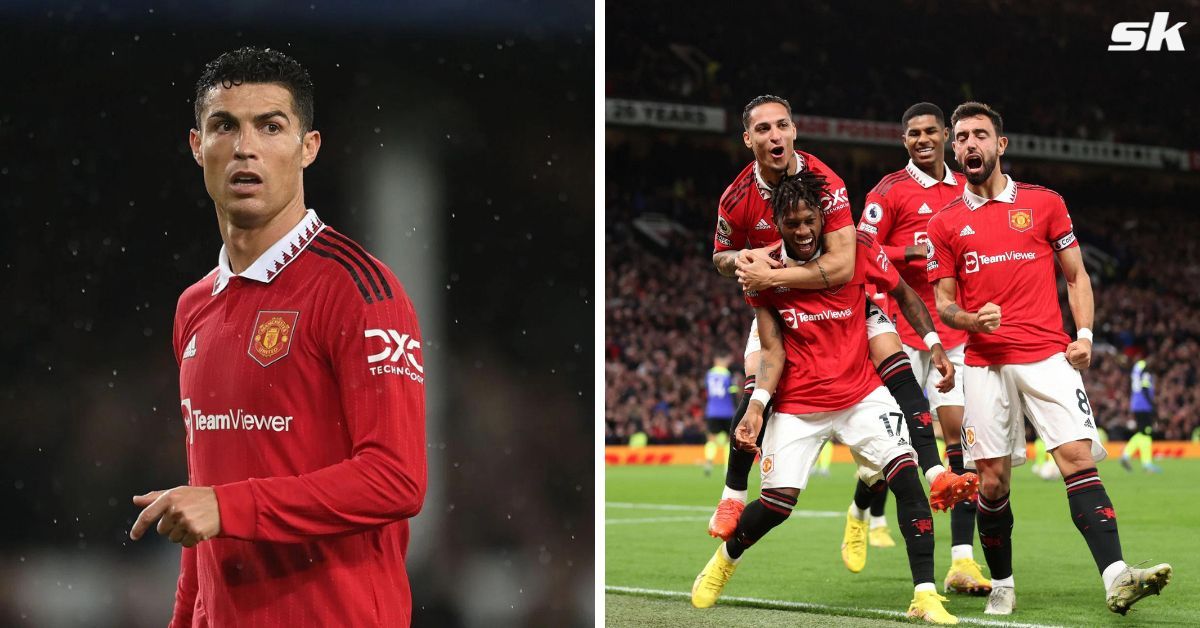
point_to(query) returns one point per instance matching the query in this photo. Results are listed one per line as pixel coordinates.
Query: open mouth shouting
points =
(973, 165)
(804, 247)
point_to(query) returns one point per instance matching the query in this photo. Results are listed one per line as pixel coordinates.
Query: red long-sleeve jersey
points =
(302, 390)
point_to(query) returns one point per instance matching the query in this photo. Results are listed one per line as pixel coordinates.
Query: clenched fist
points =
(987, 319)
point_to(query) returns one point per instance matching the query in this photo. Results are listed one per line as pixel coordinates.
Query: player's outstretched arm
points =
(986, 320)
(1079, 297)
(913, 308)
(917, 315)
(834, 267)
(770, 369)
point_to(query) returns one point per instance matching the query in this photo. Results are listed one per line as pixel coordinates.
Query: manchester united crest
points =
(273, 335)
(767, 464)
(1020, 219)
(969, 436)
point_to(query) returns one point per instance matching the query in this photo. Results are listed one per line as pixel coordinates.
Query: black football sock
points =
(878, 499)
(738, 468)
(995, 534)
(863, 495)
(962, 516)
(913, 514)
(769, 510)
(1093, 513)
(896, 373)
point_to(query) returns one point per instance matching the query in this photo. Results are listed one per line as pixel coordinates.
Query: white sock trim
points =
(1002, 582)
(729, 493)
(926, 586)
(878, 522)
(726, 556)
(1111, 573)
(933, 472)
(959, 552)
(858, 513)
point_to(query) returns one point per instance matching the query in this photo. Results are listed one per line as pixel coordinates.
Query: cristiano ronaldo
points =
(301, 385)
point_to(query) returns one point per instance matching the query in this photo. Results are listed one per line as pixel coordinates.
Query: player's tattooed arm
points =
(726, 262)
(986, 320)
(770, 368)
(772, 357)
(913, 308)
(834, 267)
(838, 258)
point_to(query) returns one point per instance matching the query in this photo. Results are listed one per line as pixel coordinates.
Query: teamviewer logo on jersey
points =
(397, 347)
(970, 262)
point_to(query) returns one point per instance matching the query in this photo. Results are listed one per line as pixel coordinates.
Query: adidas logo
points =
(1088, 423)
(924, 209)
(190, 351)
(966, 231)
(763, 224)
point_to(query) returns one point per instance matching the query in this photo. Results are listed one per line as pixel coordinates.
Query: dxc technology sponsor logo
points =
(397, 347)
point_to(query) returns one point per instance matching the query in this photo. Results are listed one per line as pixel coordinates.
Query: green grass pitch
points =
(656, 542)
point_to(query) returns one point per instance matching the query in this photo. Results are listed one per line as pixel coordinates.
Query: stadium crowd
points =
(834, 56)
(668, 312)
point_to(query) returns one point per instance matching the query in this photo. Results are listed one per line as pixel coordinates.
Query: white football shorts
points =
(873, 429)
(998, 398)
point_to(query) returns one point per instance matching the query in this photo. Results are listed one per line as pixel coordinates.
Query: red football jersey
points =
(302, 390)
(897, 213)
(744, 213)
(1002, 250)
(828, 364)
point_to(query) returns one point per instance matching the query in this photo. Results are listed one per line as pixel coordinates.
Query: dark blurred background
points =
(1044, 66)
(457, 146)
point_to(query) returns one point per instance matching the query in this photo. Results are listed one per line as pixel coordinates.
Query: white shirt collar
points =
(764, 189)
(1007, 195)
(268, 265)
(925, 180)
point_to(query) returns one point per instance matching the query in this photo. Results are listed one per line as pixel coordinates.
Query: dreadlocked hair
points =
(805, 186)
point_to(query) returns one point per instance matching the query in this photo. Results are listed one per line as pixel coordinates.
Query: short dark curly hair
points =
(805, 186)
(923, 109)
(258, 65)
